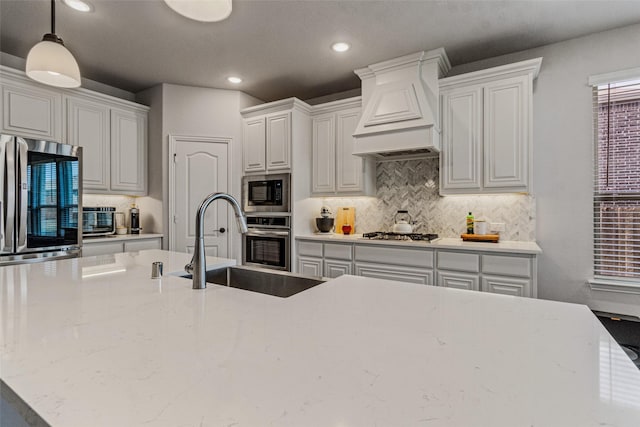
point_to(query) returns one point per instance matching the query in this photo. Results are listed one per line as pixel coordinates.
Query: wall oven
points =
(266, 193)
(41, 189)
(267, 244)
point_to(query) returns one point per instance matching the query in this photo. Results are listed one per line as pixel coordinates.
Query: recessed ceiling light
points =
(340, 47)
(79, 5)
(234, 79)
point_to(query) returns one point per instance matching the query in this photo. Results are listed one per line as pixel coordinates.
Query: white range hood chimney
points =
(401, 106)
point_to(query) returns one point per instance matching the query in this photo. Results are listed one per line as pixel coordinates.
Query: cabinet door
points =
(254, 143)
(128, 152)
(401, 274)
(457, 280)
(310, 266)
(324, 155)
(461, 156)
(350, 167)
(88, 127)
(279, 141)
(506, 286)
(506, 109)
(335, 268)
(31, 111)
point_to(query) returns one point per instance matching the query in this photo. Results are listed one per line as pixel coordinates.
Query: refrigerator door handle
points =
(8, 151)
(22, 194)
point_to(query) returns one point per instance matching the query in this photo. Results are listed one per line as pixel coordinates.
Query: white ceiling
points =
(281, 47)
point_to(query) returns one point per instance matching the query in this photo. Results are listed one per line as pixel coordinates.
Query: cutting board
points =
(480, 237)
(345, 216)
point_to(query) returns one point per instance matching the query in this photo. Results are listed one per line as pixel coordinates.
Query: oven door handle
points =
(253, 232)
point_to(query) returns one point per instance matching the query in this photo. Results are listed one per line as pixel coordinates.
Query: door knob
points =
(222, 230)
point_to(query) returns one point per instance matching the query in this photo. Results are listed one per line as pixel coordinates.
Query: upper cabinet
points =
(487, 130)
(269, 132)
(30, 110)
(335, 170)
(111, 131)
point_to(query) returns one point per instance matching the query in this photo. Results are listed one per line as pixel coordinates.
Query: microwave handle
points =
(22, 193)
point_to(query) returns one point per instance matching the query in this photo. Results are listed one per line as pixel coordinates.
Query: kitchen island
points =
(94, 341)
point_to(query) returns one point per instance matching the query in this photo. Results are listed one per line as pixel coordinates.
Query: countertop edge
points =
(119, 238)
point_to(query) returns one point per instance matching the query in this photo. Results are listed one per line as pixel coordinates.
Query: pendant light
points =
(49, 62)
(202, 10)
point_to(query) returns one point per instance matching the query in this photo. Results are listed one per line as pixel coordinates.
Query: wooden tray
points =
(493, 238)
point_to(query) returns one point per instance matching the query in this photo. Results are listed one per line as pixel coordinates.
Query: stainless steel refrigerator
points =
(41, 204)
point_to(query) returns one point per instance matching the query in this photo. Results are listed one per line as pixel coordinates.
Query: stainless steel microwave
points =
(266, 193)
(98, 221)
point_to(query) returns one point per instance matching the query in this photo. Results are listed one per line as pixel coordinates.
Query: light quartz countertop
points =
(121, 349)
(440, 243)
(119, 237)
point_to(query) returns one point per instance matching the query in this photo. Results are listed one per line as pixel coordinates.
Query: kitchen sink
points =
(277, 283)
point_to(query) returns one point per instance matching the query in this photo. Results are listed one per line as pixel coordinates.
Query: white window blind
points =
(617, 180)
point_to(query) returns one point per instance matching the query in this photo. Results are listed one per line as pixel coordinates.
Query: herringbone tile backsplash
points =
(413, 185)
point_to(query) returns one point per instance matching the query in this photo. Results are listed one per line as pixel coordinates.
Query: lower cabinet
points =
(310, 266)
(466, 281)
(506, 286)
(108, 248)
(500, 273)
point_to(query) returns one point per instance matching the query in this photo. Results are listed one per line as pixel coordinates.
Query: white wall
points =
(194, 111)
(563, 161)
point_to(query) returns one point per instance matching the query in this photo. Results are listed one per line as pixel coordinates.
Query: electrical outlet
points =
(497, 226)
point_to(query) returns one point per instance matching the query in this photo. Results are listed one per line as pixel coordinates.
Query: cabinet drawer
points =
(459, 261)
(420, 258)
(310, 249)
(507, 265)
(140, 245)
(336, 251)
(102, 249)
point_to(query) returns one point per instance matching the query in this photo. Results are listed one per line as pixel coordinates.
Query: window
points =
(616, 198)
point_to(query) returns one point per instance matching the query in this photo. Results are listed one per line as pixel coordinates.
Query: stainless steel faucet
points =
(198, 265)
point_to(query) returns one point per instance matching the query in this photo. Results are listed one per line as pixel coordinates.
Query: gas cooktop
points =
(383, 235)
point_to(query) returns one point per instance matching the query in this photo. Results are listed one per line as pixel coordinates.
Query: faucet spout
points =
(197, 267)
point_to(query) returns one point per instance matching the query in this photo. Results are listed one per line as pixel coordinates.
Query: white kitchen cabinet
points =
(398, 273)
(114, 245)
(335, 268)
(279, 141)
(413, 265)
(456, 280)
(128, 152)
(506, 286)
(335, 170)
(486, 130)
(270, 132)
(88, 126)
(114, 141)
(310, 266)
(29, 109)
(254, 145)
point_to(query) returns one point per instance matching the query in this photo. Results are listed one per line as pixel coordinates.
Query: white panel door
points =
(310, 266)
(128, 152)
(200, 168)
(461, 157)
(506, 286)
(254, 143)
(457, 280)
(506, 133)
(335, 268)
(279, 141)
(88, 127)
(324, 155)
(350, 167)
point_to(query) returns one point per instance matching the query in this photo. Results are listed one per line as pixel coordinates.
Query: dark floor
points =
(626, 333)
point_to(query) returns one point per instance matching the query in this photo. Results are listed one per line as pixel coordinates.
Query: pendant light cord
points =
(53, 16)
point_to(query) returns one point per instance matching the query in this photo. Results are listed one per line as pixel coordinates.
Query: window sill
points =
(612, 285)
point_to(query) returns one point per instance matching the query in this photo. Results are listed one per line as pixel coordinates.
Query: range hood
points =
(401, 113)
